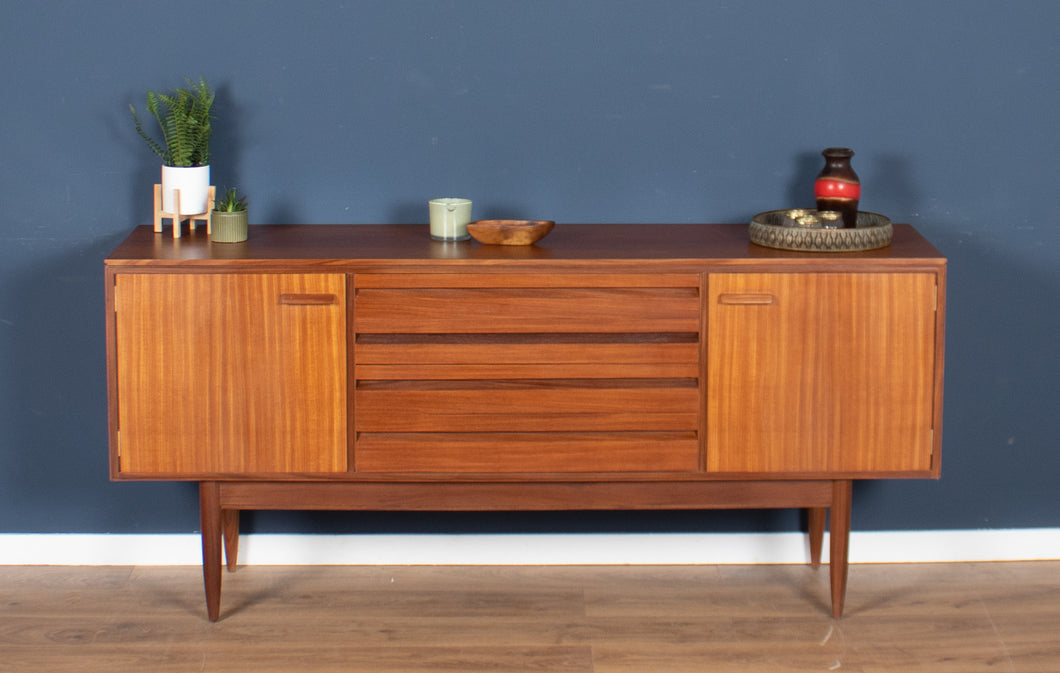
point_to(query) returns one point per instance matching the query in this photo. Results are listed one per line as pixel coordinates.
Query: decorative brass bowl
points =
(800, 229)
(509, 232)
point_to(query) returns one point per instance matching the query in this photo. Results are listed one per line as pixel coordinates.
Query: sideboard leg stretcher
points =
(221, 502)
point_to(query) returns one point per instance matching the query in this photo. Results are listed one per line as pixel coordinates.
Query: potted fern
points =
(228, 219)
(184, 117)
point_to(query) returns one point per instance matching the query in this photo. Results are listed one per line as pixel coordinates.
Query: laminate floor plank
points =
(938, 618)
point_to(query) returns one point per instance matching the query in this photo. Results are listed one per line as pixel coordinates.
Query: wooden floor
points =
(959, 618)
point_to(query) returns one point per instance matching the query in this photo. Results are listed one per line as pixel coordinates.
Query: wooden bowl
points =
(509, 232)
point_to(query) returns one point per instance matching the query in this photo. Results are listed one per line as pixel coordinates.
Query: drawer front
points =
(527, 452)
(457, 311)
(520, 373)
(532, 405)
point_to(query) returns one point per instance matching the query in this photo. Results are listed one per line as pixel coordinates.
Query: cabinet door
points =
(821, 372)
(230, 373)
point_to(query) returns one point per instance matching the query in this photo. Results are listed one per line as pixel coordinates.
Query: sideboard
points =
(610, 366)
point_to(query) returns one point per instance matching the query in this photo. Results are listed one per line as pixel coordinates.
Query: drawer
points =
(432, 355)
(525, 304)
(527, 404)
(527, 452)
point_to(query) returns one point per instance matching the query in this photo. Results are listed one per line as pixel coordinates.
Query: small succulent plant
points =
(231, 202)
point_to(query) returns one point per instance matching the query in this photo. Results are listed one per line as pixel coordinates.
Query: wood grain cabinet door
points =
(230, 374)
(821, 373)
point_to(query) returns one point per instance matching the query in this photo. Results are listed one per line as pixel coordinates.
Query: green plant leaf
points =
(184, 117)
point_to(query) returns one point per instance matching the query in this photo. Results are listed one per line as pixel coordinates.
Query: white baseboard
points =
(580, 549)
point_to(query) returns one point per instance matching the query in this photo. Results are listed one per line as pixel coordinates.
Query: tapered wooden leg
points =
(230, 525)
(815, 523)
(212, 532)
(839, 539)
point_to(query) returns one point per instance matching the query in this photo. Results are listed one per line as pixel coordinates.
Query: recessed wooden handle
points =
(747, 298)
(308, 299)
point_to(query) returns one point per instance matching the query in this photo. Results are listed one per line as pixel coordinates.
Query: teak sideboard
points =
(610, 366)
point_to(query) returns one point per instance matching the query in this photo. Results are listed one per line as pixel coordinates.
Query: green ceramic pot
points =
(228, 227)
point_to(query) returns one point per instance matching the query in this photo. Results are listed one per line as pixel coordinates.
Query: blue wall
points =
(573, 110)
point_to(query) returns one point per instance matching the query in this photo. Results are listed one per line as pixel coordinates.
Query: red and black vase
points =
(837, 186)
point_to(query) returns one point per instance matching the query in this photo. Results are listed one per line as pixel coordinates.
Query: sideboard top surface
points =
(382, 245)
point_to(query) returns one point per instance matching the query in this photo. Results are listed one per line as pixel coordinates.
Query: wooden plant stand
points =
(179, 216)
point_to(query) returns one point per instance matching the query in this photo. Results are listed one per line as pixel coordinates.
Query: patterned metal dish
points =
(813, 231)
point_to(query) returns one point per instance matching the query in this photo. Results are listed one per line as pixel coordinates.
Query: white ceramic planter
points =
(194, 185)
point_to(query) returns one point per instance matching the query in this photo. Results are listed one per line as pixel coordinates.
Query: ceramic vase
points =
(837, 186)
